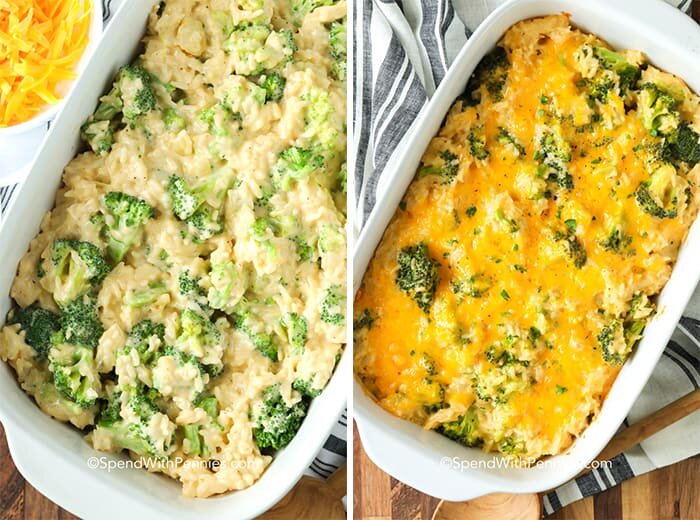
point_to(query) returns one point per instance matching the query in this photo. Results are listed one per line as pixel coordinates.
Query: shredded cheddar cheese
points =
(521, 267)
(40, 42)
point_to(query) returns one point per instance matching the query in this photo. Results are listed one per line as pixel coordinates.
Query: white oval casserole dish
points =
(429, 461)
(54, 457)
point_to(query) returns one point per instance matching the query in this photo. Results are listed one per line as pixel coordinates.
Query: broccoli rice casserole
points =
(524, 261)
(185, 298)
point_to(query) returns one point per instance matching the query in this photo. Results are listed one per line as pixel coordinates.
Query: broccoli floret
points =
(339, 49)
(306, 388)
(463, 430)
(297, 331)
(197, 334)
(417, 275)
(276, 424)
(255, 47)
(657, 109)
(205, 223)
(38, 325)
(333, 306)
(657, 196)
(477, 145)
(244, 321)
(138, 299)
(273, 84)
(98, 135)
(76, 268)
(138, 97)
(145, 337)
(301, 8)
(554, 152)
(320, 127)
(193, 442)
(74, 371)
(223, 278)
(365, 320)
(627, 73)
(573, 247)
(220, 119)
(304, 251)
(172, 120)
(331, 238)
(616, 241)
(446, 167)
(185, 200)
(80, 322)
(492, 73)
(612, 343)
(110, 106)
(684, 145)
(124, 220)
(293, 164)
(134, 431)
(506, 138)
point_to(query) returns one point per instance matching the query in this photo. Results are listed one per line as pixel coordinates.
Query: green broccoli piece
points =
(333, 306)
(304, 251)
(223, 278)
(554, 152)
(365, 320)
(293, 164)
(220, 119)
(610, 340)
(573, 247)
(38, 325)
(76, 268)
(197, 334)
(331, 238)
(446, 168)
(134, 432)
(145, 337)
(80, 322)
(506, 138)
(657, 196)
(464, 429)
(138, 96)
(657, 109)
(684, 145)
(273, 84)
(477, 145)
(300, 8)
(124, 222)
(417, 275)
(190, 286)
(297, 331)
(193, 442)
(98, 135)
(275, 423)
(138, 299)
(339, 49)
(616, 241)
(627, 73)
(255, 47)
(320, 127)
(74, 371)
(173, 121)
(185, 200)
(492, 73)
(244, 321)
(205, 223)
(306, 388)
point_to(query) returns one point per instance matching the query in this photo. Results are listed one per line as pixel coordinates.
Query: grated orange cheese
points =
(40, 42)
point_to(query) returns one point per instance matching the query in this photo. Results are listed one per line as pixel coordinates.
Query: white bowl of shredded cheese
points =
(37, 75)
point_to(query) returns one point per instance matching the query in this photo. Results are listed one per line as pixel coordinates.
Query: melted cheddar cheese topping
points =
(521, 267)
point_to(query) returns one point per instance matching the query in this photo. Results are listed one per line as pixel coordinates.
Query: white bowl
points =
(54, 457)
(65, 87)
(429, 461)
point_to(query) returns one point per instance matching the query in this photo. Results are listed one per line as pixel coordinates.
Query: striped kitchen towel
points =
(402, 50)
(334, 451)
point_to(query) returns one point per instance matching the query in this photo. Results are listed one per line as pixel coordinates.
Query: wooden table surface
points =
(672, 492)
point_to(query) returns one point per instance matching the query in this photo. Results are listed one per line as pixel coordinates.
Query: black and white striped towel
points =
(334, 451)
(402, 50)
